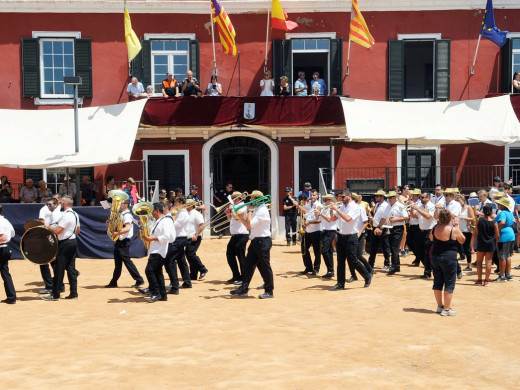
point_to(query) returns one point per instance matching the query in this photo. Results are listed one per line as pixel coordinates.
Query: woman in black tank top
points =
(487, 235)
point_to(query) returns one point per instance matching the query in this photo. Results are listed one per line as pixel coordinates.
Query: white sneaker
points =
(448, 312)
(439, 309)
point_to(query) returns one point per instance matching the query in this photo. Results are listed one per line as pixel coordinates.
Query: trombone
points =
(220, 217)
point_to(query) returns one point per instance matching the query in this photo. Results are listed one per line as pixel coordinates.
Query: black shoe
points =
(50, 298)
(425, 276)
(337, 287)
(266, 295)
(416, 263)
(145, 291)
(153, 298)
(328, 275)
(497, 271)
(173, 291)
(294, 242)
(184, 285)
(316, 272)
(62, 289)
(288, 243)
(137, 284)
(169, 286)
(238, 283)
(202, 274)
(112, 285)
(468, 269)
(386, 266)
(368, 281)
(392, 271)
(306, 271)
(352, 279)
(165, 298)
(262, 287)
(232, 280)
(9, 301)
(459, 275)
(71, 297)
(238, 293)
(45, 291)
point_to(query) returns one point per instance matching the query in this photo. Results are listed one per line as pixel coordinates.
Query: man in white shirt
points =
(438, 197)
(122, 248)
(362, 224)
(6, 233)
(413, 232)
(258, 223)
(181, 240)
(380, 234)
(67, 229)
(424, 215)
(236, 247)
(330, 228)
(396, 216)
(347, 240)
(194, 230)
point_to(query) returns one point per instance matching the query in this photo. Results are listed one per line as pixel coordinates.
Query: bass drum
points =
(39, 245)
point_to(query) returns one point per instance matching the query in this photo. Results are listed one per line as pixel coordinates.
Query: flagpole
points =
(472, 71)
(215, 70)
(348, 56)
(267, 38)
(129, 66)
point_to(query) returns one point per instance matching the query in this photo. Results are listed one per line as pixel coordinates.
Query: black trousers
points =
(155, 275)
(194, 261)
(259, 254)
(360, 257)
(347, 249)
(423, 245)
(290, 224)
(122, 256)
(65, 261)
(467, 246)
(327, 236)
(396, 235)
(383, 239)
(170, 265)
(236, 249)
(412, 235)
(5, 255)
(311, 239)
(45, 271)
(179, 246)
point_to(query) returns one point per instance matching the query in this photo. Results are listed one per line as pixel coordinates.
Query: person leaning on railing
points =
(6, 190)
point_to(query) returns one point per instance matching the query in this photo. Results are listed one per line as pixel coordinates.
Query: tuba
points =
(143, 210)
(115, 222)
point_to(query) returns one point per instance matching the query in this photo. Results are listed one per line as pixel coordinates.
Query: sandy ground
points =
(386, 336)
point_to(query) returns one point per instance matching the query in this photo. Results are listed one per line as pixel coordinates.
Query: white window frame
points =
(515, 145)
(179, 152)
(436, 148)
(296, 162)
(513, 35)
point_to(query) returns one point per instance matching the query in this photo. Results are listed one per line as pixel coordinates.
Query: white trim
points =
(56, 34)
(401, 37)
(506, 159)
(513, 35)
(148, 37)
(169, 152)
(296, 162)
(437, 150)
(331, 35)
(207, 180)
(56, 102)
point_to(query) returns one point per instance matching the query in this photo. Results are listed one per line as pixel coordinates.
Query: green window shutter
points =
(336, 65)
(194, 58)
(35, 174)
(141, 65)
(395, 70)
(282, 61)
(83, 63)
(31, 67)
(506, 79)
(442, 69)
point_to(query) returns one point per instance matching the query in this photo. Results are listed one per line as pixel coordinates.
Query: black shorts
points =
(505, 250)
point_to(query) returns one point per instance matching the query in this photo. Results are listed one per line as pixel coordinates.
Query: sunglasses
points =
(49, 204)
(423, 197)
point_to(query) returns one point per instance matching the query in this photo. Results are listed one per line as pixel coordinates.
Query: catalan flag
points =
(358, 28)
(225, 28)
(132, 42)
(279, 17)
(489, 29)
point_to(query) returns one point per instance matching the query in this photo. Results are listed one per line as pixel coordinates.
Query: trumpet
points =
(174, 210)
(115, 222)
(143, 210)
(326, 208)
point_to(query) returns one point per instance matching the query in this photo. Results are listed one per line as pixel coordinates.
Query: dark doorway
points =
(418, 69)
(310, 163)
(310, 63)
(421, 168)
(168, 169)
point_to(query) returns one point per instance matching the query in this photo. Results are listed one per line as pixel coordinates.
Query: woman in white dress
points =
(267, 85)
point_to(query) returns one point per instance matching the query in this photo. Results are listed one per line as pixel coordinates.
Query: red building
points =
(423, 52)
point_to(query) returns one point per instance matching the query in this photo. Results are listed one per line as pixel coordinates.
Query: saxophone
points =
(115, 222)
(143, 210)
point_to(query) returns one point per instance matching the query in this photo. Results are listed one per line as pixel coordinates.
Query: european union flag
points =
(489, 29)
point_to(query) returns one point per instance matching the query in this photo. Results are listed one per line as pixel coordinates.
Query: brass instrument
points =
(115, 222)
(254, 203)
(143, 210)
(220, 226)
(174, 210)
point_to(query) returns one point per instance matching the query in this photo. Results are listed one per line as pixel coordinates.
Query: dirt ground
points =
(385, 337)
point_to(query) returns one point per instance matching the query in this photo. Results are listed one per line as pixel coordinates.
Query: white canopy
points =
(45, 138)
(490, 120)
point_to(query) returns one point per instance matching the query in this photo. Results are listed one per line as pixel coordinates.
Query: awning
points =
(45, 138)
(490, 120)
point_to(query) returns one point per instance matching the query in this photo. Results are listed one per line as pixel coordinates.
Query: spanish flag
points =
(132, 42)
(226, 32)
(358, 28)
(279, 18)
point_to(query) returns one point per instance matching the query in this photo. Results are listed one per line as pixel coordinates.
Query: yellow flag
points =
(132, 42)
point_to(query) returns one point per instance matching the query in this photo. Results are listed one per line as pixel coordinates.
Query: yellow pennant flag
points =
(132, 42)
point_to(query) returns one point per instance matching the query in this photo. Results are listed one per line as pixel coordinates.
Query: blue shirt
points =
(506, 233)
(298, 84)
(517, 200)
(320, 84)
(135, 90)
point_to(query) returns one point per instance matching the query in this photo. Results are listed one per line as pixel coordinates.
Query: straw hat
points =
(256, 194)
(504, 202)
(328, 196)
(355, 196)
(235, 194)
(191, 202)
(451, 191)
(380, 192)
(391, 194)
(473, 195)
(499, 195)
(416, 191)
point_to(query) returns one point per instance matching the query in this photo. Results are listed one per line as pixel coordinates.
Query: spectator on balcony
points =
(135, 89)
(6, 190)
(67, 188)
(266, 85)
(131, 189)
(163, 195)
(285, 88)
(190, 85)
(110, 184)
(170, 86)
(319, 83)
(334, 92)
(300, 85)
(214, 88)
(149, 91)
(44, 192)
(516, 82)
(87, 191)
(28, 193)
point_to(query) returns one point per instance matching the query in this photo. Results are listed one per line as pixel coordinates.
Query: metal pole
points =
(215, 71)
(76, 124)
(266, 39)
(405, 165)
(239, 93)
(472, 71)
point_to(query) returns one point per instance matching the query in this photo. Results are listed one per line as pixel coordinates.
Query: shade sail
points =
(45, 138)
(490, 120)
